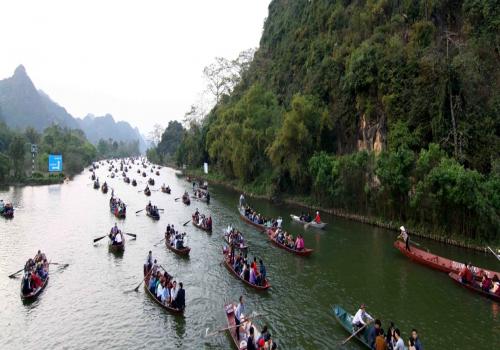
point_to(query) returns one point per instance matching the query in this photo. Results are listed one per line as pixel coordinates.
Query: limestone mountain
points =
(23, 105)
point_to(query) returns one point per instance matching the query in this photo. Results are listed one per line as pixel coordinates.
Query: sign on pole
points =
(205, 167)
(55, 162)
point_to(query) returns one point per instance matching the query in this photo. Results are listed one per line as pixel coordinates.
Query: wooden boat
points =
(34, 294)
(96, 185)
(147, 192)
(166, 307)
(345, 320)
(166, 190)
(474, 287)
(151, 182)
(436, 262)
(186, 200)
(8, 211)
(143, 174)
(305, 252)
(228, 265)
(229, 310)
(313, 223)
(116, 248)
(112, 175)
(152, 214)
(104, 188)
(157, 173)
(138, 171)
(134, 183)
(114, 210)
(92, 177)
(126, 180)
(248, 221)
(183, 252)
(200, 226)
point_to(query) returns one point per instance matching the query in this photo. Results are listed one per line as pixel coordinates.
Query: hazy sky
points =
(141, 61)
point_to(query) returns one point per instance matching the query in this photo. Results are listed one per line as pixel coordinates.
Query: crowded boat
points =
(201, 221)
(235, 237)
(259, 220)
(35, 277)
(201, 195)
(6, 209)
(117, 207)
(116, 237)
(285, 240)
(152, 211)
(250, 272)
(165, 189)
(174, 238)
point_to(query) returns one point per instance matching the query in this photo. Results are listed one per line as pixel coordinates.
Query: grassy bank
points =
(263, 192)
(36, 180)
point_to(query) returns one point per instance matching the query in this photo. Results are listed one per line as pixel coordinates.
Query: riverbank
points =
(35, 181)
(308, 202)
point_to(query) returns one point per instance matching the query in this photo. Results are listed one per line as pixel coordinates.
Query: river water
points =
(85, 305)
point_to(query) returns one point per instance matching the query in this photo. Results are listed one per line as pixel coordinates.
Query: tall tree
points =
(16, 154)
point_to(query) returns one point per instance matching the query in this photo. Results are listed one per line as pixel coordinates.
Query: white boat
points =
(309, 224)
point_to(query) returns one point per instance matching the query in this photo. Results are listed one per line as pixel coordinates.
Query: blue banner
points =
(55, 162)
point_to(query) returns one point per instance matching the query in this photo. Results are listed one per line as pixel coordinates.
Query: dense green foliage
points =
(77, 152)
(381, 107)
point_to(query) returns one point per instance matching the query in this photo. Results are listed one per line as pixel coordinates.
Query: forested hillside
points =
(382, 108)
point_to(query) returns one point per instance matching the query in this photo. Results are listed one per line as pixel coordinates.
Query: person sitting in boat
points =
(168, 230)
(165, 296)
(361, 318)
(41, 270)
(466, 276)
(495, 283)
(118, 238)
(180, 299)
(485, 282)
(114, 229)
(159, 290)
(299, 243)
(179, 244)
(373, 332)
(27, 287)
(149, 262)
(36, 280)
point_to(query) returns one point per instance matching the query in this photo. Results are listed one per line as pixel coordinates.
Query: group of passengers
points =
(116, 235)
(480, 279)
(117, 206)
(162, 286)
(201, 220)
(259, 219)
(252, 273)
(174, 238)
(286, 239)
(235, 237)
(35, 273)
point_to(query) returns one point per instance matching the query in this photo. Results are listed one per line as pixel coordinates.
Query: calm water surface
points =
(85, 307)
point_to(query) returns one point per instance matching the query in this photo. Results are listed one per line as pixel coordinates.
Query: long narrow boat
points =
(229, 310)
(345, 320)
(206, 229)
(166, 307)
(304, 252)
(248, 221)
(186, 200)
(153, 215)
(474, 287)
(183, 252)
(313, 223)
(228, 265)
(436, 262)
(166, 190)
(34, 294)
(104, 188)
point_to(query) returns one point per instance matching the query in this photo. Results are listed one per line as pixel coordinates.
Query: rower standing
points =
(240, 310)
(406, 238)
(317, 218)
(242, 200)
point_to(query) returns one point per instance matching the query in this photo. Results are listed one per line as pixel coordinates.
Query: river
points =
(85, 306)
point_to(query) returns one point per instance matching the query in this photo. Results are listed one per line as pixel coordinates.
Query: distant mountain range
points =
(22, 105)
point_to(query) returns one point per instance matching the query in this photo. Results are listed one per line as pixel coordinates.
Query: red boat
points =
(228, 265)
(474, 287)
(248, 221)
(436, 262)
(304, 252)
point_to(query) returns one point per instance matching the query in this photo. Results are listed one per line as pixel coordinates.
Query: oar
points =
(184, 224)
(15, 273)
(56, 263)
(355, 333)
(137, 212)
(137, 288)
(130, 234)
(495, 254)
(160, 209)
(159, 242)
(176, 199)
(140, 191)
(231, 327)
(98, 239)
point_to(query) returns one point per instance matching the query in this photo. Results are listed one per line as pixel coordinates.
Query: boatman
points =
(242, 200)
(406, 237)
(317, 218)
(361, 319)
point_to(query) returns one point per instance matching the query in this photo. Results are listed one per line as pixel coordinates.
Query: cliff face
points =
(430, 68)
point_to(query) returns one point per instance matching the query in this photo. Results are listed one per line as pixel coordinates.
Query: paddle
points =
(137, 212)
(15, 273)
(98, 239)
(130, 234)
(495, 254)
(355, 333)
(187, 222)
(176, 199)
(231, 327)
(159, 242)
(137, 288)
(55, 263)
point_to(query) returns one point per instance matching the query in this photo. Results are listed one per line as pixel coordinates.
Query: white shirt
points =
(404, 235)
(159, 290)
(279, 221)
(240, 309)
(173, 293)
(118, 238)
(360, 316)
